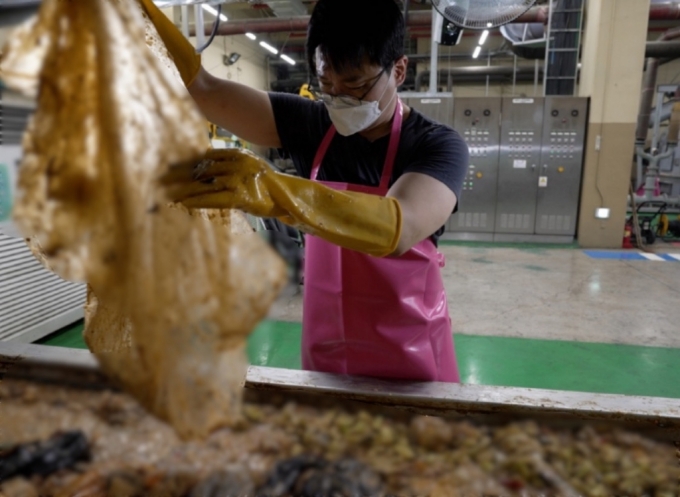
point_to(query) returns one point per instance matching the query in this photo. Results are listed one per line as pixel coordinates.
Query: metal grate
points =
(472, 220)
(516, 221)
(34, 302)
(555, 223)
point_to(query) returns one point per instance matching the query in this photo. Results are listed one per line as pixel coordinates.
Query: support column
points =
(611, 75)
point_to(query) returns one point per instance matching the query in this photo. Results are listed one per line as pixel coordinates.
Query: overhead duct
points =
(496, 54)
(455, 75)
(525, 37)
(476, 74)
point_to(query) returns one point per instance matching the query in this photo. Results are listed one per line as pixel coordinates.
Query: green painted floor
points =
(519, 246)
(552, 364)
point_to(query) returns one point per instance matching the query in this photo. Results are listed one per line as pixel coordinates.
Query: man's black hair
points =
(350, 32)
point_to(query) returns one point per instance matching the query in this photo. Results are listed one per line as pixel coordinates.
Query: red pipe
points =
(664, 12)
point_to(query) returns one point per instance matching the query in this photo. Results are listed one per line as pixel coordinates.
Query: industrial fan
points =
(481, 14)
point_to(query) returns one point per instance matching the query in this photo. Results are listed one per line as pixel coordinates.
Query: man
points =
(377, 182)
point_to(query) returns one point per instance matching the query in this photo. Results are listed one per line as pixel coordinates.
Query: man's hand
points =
(236, 179)
(225, 178)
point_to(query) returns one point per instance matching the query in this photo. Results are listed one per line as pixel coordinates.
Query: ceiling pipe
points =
(496, 54)
(662, 49)
(666, 50)
(474, 73)
(444, 78)
(664, 12)
(420, 18)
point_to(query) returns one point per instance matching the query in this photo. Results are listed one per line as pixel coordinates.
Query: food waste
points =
(307, 448)
(172, 294)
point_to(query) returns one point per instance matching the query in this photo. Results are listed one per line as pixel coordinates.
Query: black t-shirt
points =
(426, 147)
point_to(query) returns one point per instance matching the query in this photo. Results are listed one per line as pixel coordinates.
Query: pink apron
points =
(369, 316)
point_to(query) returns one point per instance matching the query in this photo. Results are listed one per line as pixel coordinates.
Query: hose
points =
(214, 31)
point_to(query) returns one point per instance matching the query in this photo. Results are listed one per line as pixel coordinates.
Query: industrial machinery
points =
(659, 181)
(526, 157)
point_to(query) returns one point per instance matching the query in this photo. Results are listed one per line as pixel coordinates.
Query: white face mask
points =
(350, 118)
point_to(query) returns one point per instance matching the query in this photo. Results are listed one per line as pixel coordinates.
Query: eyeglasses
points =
(344, 99)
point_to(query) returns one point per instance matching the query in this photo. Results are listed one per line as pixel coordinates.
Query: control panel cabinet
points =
(477, 120)
(564, 130)
(520, 156)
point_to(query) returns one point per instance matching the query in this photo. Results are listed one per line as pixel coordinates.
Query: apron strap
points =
(392, 148)
(321, 152)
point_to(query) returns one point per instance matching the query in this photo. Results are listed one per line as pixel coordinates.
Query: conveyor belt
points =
(68, 366)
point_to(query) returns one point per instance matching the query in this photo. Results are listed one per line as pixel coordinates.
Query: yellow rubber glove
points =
(238, 179)
(184, 55)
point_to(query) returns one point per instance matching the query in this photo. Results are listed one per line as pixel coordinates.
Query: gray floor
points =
(559, 294)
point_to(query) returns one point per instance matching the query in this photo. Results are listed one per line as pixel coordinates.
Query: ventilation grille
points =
(516, 221)
(472, 220)
(34, 302)
(555, 223)
(13, 121)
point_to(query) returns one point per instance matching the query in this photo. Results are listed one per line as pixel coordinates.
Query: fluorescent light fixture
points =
(213, 11)
(477, 51)
(485, 35)
(251, 36)
(288, 59)
(269, 47)
(602, 213)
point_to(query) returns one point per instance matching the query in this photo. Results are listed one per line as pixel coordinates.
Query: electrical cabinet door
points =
(478, 122)
(438, 108)
(564, 132)
(520, 156)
